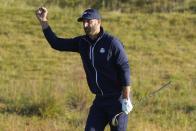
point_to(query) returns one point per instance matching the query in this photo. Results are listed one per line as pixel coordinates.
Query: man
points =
(106, 67)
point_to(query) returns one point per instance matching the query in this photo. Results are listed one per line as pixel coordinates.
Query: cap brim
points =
(80, 19)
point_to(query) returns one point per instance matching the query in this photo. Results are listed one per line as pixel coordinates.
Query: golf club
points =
(115, 120)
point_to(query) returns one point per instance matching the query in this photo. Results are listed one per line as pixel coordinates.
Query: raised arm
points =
(61, 44)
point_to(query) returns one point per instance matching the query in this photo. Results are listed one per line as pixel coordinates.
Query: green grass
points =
(43, 89)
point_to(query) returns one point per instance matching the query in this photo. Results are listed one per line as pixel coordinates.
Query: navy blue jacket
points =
(104, 60)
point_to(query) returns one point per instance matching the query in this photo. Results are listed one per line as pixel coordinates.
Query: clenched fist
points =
(41, 14)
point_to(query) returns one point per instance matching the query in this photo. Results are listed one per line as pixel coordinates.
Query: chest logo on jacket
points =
(102, 50)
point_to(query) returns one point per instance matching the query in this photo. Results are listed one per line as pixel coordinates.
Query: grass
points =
(43, 89)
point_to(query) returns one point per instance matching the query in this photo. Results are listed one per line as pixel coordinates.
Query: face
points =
(91, 27)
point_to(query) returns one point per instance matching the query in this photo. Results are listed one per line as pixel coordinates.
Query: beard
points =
(90, 30)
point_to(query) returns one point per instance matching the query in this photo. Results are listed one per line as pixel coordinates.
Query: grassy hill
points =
(43, 89)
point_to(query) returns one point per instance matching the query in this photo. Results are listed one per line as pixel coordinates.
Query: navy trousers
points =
(101, 113)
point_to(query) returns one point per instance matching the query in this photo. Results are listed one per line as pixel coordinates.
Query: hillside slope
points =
(43, 89)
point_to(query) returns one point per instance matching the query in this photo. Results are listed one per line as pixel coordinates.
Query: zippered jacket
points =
(104, 60)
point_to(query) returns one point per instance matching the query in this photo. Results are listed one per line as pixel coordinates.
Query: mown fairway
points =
(45, 90)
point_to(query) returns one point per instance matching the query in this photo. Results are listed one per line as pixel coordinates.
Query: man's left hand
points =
(126, 105)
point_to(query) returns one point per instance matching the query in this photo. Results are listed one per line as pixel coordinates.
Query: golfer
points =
(106, 67)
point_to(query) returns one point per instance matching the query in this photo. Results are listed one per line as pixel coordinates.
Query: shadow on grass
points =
(25, 109)
(189, 109)
(8, 106)
(186, 108)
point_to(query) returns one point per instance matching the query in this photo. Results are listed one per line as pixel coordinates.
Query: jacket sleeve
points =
(121, 62)
(61, 44)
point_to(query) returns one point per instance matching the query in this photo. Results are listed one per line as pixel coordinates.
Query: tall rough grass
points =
(149, 6)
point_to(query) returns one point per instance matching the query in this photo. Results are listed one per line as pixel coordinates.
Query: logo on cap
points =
(89, 14)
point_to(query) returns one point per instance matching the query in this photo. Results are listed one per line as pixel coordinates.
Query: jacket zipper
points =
(91, 55)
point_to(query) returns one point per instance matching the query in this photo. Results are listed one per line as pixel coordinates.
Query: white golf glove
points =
(126, 105)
